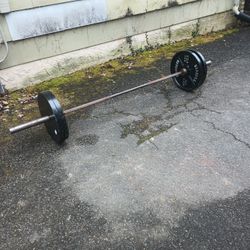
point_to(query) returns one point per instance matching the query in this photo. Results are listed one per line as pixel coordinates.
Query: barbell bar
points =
(188, 70)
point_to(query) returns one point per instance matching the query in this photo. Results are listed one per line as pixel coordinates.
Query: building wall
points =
(43, 34)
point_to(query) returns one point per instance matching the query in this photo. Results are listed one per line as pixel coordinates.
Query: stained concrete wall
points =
(26, 19)
(43, 34)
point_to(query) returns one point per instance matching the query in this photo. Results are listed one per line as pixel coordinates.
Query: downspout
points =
(239, 14)
(6, 47)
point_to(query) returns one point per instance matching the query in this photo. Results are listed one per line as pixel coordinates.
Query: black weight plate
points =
(194, 77)
(57, 127)
(203, 60)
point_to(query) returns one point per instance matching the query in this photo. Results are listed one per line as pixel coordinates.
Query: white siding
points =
(50, 19)
(4, 6)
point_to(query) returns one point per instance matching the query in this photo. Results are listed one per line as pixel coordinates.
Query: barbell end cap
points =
(208, 62)
(12, 131)
(184, 71)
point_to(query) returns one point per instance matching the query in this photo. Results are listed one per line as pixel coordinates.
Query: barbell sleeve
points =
(30, 124)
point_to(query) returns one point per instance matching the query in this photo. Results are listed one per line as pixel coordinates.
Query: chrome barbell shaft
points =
(44, 119)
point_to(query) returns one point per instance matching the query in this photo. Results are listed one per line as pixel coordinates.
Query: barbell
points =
(188, 70)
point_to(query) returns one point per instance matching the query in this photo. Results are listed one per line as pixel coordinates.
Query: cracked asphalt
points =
(155, 169)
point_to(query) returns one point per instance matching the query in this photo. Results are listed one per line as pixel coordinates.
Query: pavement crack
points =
(223, 131)
(202, 107)
(150, 141)
(124, 113)
(114, 112)
(229, 133)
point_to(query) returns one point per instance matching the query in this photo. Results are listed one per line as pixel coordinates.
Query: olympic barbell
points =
(188, 70)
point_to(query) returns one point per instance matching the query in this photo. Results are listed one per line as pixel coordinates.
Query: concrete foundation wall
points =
(121, 27)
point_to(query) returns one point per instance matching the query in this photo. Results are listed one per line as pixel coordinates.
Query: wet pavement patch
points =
(218, 225)
(87, 140)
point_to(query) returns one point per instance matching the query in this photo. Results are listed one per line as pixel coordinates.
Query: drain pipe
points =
(6, 47)
(239, 14)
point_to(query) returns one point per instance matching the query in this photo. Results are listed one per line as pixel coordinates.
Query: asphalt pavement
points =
(158, 168)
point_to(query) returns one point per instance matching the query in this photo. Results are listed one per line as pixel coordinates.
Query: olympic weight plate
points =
(57, 126)
(194, 77)
(203, 60)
